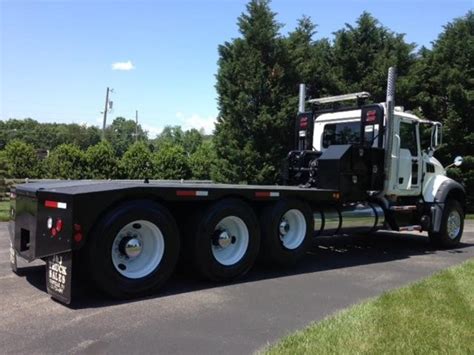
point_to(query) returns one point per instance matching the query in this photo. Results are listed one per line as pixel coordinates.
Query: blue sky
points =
(57, 56)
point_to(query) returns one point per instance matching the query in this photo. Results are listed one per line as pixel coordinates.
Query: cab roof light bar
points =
(339, 98)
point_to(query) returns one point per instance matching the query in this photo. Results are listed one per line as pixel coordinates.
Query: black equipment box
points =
(351, 169)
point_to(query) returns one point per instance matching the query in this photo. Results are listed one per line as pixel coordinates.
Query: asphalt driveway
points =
(195, 317)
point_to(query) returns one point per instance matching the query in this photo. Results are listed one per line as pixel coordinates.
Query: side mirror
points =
(458, 161)
(436, 136)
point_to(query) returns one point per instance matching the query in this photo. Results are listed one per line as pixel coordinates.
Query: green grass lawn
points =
(435, 315)
(470, 216)
(4, 211)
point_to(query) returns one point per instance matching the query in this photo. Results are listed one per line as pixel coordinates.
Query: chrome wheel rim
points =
(292, 229)
(454, 224)
(137, 249)
(230, 240)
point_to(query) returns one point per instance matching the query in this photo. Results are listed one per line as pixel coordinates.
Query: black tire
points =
(99, 250)
(443, 238)
(273, 248)
(203, 240)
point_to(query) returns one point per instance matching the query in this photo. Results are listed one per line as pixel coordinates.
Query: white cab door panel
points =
(406, 158)
(404, 169)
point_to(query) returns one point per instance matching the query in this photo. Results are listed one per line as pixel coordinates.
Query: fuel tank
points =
(348, 219)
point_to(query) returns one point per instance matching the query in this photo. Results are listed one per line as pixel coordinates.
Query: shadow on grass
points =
(326, 253)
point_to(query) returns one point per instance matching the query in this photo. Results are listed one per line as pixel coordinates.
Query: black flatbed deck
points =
(172, 190)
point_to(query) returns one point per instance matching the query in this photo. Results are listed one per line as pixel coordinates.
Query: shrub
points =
(21, 158)
(171, 162)
(137, 162)
(203, 161)
(66, 161)
(101, 161)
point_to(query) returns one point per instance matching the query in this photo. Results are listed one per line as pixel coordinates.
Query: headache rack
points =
(339, 98)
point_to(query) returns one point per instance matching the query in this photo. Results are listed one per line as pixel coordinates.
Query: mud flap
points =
(13, 262)
(59, 276)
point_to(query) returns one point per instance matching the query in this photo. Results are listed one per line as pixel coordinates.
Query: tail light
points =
(59, 224)
(77, 233)
(54, 228)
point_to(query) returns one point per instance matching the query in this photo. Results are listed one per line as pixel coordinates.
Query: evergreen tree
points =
(310, 61)
(252, 130)
(442, 85)
(362, 55)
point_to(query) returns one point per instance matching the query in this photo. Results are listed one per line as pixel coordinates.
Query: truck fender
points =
(448, 188)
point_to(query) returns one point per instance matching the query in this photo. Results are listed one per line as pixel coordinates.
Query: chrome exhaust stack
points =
(302, 98)
(390, 107)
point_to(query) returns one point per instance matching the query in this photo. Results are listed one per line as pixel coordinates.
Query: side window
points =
(425, 136)
(408, 137)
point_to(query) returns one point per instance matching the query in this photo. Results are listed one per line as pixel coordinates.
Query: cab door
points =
(409, 165)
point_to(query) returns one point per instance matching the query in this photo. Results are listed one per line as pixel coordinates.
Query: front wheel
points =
(452, 225)
(134, 249)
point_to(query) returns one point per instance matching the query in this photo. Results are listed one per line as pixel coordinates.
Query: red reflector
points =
(267, 194)
(78, 237)
(59, 225)
(54, 232)
(50, 204)
(185, 193)
(55, 204)
(303, 122)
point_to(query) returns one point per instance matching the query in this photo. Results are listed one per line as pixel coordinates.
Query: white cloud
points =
(153, 131)
(197, 121)
(123, 66)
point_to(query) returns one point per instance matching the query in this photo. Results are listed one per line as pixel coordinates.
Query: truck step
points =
(415, 227)
(403, 208)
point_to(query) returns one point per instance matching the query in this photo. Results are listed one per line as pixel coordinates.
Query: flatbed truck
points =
(353, 169)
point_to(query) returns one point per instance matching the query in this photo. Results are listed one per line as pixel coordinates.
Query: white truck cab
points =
(383, 150)
(415, 170)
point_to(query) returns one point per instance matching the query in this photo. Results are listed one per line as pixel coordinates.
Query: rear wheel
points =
(134, 249)
(287, 227)
(226, 240)
(452, 225)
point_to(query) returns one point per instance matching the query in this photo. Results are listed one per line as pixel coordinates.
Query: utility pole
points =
(105, 112)
(136, 125)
